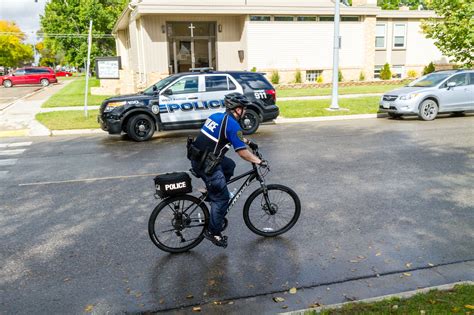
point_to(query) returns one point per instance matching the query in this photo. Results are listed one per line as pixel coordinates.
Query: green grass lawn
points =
(73, 94)
(363, 89)
(72, 119)
(314, 108)
(459, 300)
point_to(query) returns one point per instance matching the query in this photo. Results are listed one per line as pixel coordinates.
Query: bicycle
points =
(177, 223)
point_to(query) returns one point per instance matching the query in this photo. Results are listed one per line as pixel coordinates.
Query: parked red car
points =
(29, 75)
(63, 74)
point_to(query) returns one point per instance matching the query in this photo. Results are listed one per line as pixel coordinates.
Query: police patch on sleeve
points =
(240, 135)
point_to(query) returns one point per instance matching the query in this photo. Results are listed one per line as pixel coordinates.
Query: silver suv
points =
(437, 92)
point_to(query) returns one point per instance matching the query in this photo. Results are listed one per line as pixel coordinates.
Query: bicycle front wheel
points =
(177, 224)
(272, 213)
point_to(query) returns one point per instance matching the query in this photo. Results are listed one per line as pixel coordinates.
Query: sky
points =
(25, 13)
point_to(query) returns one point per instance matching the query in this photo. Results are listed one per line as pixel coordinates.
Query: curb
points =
(401, 295)
(75, 132)
(283, 120)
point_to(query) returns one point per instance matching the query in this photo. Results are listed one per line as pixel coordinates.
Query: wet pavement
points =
(380, 198)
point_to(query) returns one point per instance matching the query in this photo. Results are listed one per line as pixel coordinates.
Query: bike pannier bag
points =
(173, 184)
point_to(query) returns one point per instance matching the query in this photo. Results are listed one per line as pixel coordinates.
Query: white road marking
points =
(86, 180)
(12, 152)
(8, 162)
(14, 145)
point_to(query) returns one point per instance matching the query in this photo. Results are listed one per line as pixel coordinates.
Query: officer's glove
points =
(263, 164)
(253, 145)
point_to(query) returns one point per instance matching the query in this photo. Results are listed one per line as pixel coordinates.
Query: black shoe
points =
(216, 239)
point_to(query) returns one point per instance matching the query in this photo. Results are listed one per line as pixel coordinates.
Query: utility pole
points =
(335, 58)
(86, 114)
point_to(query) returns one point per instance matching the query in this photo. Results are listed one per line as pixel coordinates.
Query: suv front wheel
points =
(428, 110)
(44, 82)
(140, 127)
(250, 122)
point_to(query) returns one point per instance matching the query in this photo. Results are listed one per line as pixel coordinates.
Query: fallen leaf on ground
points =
(138, 294)
(293, 291)
(468, 306)
(455, 309)
(407, 274)
(430, 264)
(162, 301)
(211, 282)
(395, 307)
(353, 261)
(422, 312)
(284, 307)
(231, 302)
(66, 279)
(278, 299)
(190, 296)
(378, 254)
(196, 309)
(314, 305)
(361, 257)
(88, 308)
(408, 265)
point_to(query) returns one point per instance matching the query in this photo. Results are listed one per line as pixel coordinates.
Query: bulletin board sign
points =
(108, 67)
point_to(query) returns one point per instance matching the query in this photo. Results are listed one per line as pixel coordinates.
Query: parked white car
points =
(437, 92)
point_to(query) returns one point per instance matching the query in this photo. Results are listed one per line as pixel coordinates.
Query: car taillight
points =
(272, 93)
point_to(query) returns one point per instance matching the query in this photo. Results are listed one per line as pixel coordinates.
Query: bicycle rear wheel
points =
(277, 217)
(177, 224)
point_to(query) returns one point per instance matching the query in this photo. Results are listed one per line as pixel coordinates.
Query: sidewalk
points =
(18, 119)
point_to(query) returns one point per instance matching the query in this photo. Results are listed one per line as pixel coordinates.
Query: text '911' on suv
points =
(185, 101)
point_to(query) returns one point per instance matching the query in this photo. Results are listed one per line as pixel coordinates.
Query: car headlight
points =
(408, 96)
(110, 106)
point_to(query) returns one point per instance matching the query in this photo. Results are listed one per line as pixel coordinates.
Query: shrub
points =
(254, 69)
(340, 78)
(275, 77)
(362, 76)
(298, 76)
(412, 73)
(429, 68)
(319, 79)
(385, 73)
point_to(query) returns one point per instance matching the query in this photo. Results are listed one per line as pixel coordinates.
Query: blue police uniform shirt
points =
(218, 133)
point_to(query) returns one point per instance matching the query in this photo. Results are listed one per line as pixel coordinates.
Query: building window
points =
(349, 19)
(399, 35)
(260, 18)
(380, 31)
(397, 72)
(326, 18)
(306, 18)
(312, 75)
(283, 18)
(377, 70)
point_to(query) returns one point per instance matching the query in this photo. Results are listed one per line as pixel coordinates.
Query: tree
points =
(453, 33)
(396, 4)
(429, 68)
(13, 51)
(70, 19)
(385, 73)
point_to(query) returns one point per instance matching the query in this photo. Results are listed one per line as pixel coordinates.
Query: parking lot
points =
(9, 95)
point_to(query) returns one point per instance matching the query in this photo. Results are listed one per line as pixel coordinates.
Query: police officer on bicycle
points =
(207, 155)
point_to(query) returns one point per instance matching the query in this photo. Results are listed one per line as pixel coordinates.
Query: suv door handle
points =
(193, 98)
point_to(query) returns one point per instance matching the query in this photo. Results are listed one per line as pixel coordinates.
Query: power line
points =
(60, 35)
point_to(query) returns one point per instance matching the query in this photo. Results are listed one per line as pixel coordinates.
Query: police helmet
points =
(235, 100)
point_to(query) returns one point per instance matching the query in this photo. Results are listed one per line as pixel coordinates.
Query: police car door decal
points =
(183, 104)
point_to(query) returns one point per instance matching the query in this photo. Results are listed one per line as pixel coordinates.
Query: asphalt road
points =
(10, 95)
(378, 196)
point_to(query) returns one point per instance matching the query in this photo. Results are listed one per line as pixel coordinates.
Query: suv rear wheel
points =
(140, 127)
(250, 122)
(44, 82)
(7, 83)
(428, 110)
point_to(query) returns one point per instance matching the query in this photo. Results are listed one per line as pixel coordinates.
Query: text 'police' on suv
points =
(185, 101)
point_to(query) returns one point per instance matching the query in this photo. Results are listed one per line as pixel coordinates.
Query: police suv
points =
(185, 100)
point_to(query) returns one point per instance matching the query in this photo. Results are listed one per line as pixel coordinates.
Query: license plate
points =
(386, 104)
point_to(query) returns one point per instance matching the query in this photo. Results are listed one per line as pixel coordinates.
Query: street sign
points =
(107, 67)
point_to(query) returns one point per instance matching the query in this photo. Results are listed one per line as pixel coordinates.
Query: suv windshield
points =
(430, 80)
(159, 85)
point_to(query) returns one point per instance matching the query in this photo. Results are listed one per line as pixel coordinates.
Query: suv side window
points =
(219, 83)
(471, 78)
(186, 85)
(255, 81)
(460, 79)
(20, 72)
